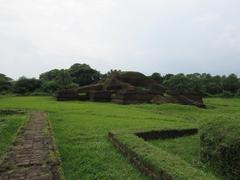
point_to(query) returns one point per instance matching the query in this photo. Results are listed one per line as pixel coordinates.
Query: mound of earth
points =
(124, 81)
(130, 88)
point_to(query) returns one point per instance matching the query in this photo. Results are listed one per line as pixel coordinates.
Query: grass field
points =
(187, 148)
(9, 125)
(81, 129)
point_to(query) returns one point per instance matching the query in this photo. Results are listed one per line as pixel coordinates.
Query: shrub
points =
(220, 147)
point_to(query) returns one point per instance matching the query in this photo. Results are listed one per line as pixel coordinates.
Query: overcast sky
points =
(166, 36)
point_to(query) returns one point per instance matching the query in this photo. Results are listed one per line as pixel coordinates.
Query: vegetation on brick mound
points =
(220, 147)
(158, 162)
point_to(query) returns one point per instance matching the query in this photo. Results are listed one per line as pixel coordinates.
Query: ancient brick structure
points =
(130, 88)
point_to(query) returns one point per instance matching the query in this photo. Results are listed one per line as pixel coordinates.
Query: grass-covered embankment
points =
(187, 148)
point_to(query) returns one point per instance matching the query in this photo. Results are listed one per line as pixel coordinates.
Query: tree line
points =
(205, 84)
(82, 74)
(51, 82)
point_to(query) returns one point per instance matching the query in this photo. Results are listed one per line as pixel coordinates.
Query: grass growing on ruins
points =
(161, 162)
(188, 148)
(81, 129)
(9, 125)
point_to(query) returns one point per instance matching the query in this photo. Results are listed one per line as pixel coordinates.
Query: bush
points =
(220, 147)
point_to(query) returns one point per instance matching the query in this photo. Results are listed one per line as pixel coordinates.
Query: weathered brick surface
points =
(29, 156)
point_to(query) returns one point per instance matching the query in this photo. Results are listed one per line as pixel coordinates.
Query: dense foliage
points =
(5, 83)
(77, 75)
(82, 74)
(220, 145)
(24, 85)
(206, 84)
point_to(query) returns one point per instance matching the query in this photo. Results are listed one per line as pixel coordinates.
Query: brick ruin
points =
(130, 88)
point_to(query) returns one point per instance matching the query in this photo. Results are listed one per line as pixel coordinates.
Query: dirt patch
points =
(33, 154)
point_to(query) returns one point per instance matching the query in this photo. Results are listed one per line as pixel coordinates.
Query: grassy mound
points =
(129, 80)
(220, 147)
(140, 80)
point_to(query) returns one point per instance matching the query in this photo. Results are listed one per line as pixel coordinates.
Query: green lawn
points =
(81, 129)
(9, 125)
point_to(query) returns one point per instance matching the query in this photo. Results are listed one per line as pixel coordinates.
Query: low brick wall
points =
(100, 96)
(137, 162)
(133, 97)
(150, 168)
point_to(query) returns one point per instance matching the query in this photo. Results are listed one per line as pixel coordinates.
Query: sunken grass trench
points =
(81, 129)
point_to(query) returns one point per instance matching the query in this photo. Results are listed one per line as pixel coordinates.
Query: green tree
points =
(157, 77)
(83, 74)
(179, 83)
(211, 85)
(49, 86)
(168, 76)
(231, 83)
(5, 83)
(50, 75)
(25, 86)
(64, 80)
(194, 82)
